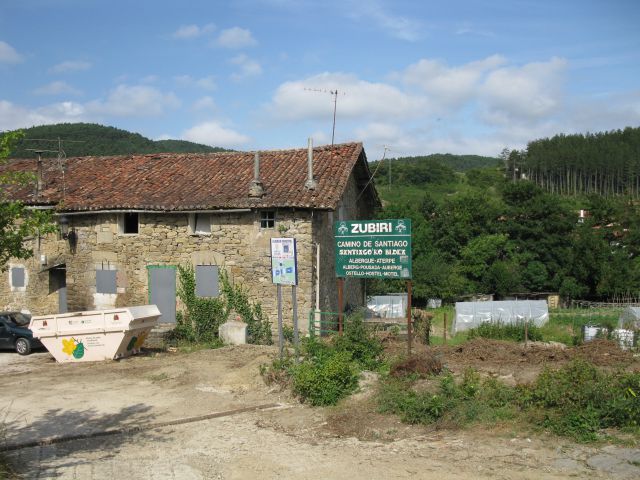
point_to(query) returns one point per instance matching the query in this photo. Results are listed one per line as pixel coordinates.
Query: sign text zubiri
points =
(373, 248)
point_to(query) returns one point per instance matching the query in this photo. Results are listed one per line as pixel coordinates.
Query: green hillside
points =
(90, 139)
(407, 179)
(479, 230)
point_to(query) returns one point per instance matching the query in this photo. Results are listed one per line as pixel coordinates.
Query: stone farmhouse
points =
(126, 222)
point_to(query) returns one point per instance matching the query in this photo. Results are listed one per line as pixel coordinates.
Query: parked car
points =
(15, 333)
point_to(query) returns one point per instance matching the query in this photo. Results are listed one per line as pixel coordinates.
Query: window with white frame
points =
(200, 223)
(267, 219)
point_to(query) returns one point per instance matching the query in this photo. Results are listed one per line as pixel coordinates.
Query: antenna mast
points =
(335, 94)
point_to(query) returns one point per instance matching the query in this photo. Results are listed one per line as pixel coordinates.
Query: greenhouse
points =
(471, 314)
(630, 318)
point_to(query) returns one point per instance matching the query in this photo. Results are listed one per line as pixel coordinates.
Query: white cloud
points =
(14, 116)
(525, 93)
(248, 67)
(193, 31)
(397, 26)
(357, 98)
(57, 88)
(204, 103)
(8, 54)
(70, 66)
(214, 134)
(134, 101)
(450, 86)
(206, 83)
(235, 37)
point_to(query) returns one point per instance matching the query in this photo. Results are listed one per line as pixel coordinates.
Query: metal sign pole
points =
(409, 316)
(340, 303)
(296, 338)
(280, 332)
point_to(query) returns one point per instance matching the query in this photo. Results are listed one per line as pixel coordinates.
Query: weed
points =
(502, 331)
(160, 377)
(577, 401)
(202, 317)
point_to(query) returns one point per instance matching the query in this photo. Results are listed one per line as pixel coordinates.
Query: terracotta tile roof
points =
(190, 181)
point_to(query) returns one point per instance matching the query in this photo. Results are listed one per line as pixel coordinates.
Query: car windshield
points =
(20, 319)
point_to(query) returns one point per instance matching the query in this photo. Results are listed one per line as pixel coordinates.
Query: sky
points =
(412, 77)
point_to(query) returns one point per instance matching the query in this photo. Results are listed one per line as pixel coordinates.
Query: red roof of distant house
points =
(197, 181)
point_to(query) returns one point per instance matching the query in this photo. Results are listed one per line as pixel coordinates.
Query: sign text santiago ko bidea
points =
(373, 248)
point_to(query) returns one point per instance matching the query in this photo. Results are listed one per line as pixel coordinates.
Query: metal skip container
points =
(95, 335)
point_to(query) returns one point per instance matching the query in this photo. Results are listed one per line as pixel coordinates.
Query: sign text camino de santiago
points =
(373, 248)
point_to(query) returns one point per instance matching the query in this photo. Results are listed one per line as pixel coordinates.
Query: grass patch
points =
(503, 331)
(185, 346)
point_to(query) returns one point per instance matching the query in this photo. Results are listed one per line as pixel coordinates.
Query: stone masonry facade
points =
(237, 244)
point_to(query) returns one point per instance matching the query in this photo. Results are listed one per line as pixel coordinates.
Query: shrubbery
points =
(329, 368)
(504, 331)
(577, 400)
(202, 317)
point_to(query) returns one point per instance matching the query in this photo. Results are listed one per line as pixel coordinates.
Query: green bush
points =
(202, 317)
(579, 399)
(576, 401)
(502, 331)
(329, 368)
(258, 325)
(360, 342)
(325, 380)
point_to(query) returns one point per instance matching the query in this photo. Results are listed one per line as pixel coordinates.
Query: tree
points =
(17, 222)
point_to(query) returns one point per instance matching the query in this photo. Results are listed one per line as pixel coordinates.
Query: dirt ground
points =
(275, 436)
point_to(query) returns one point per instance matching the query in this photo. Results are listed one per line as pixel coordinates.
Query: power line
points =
(374, 172)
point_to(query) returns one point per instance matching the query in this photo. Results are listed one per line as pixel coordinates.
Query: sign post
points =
(284, 271)
(374, 249)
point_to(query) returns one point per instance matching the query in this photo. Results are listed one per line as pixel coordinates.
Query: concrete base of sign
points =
(233, 333)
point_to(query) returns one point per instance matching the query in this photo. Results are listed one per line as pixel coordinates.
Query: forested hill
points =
(605, 163)
(84, 139)
(438, 168)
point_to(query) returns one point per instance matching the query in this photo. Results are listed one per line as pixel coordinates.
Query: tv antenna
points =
(334, 94)
(62, 156)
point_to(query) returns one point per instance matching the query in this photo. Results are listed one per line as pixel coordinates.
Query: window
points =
(200, 224)
(17, 277)
(106, 281)
(128, 223)
(207, 281)
(267, 219)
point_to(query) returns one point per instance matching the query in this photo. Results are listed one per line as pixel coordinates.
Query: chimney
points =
(255, 189)
(311, 182)
(39, 181)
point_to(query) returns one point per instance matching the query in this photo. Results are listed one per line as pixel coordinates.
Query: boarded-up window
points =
(17, 277)
(207, 281)
(106, 281)
(200, 224)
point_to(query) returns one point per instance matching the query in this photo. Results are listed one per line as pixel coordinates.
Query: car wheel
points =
(23, 347)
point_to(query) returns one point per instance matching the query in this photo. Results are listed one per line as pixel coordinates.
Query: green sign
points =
(373, 248)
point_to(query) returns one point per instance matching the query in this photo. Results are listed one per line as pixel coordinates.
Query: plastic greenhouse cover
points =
(387, 306)
(472, 314)
(630, 317)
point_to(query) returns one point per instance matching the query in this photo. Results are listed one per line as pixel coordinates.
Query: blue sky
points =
(420, 77)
